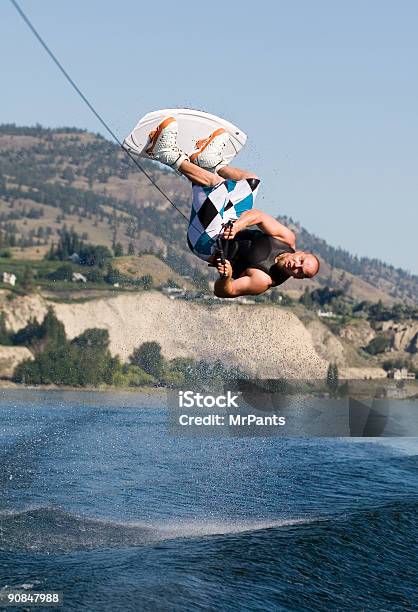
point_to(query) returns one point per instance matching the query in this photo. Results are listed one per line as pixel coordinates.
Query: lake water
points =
(100, 502)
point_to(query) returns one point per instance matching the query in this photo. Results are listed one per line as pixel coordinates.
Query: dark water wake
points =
(363, 560)
(49, 530)
(54, 531)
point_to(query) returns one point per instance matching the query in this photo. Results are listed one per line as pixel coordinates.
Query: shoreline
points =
(9, 385)
(6, 385)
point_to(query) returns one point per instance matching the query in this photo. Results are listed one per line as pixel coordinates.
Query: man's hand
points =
(265, 222)
(224, 269)
(231, 231)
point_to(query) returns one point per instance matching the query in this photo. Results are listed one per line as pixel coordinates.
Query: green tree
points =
(68, 174)
(172, 283)
(397, 364)
(182, 371)
(131, 249)
(147, 282)
(132, 376)
(93, 338)
(332, 377)
(94, 255)
(379, 312)
(27, 278)
(113, 275)
(69, 243)
(28, 335)
(52, 331)
(325, 295)
(63, 273)
(95, 276)
(5, 339)
(84, 361)
(379, 344)
(54, 366)
(118, 250)
(148, 357)
(306, 299)
(95, 363)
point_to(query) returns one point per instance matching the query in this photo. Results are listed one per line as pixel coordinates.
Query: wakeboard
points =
(193, 126)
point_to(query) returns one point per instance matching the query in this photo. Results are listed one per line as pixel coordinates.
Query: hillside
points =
(299, 344)
(51, 178)
(187, 329)
(135, 267)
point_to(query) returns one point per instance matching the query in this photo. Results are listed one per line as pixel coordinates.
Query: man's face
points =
(299, 264)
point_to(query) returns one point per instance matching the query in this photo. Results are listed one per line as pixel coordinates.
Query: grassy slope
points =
(135, 267)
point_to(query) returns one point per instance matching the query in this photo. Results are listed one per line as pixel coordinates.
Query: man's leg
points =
(200, 176)
(236, 174)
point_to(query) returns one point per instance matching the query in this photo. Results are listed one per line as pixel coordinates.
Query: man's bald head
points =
(299, 264)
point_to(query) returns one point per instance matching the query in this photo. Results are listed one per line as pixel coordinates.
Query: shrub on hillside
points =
(379, 344)
(70, 243)
(5, 335)
(86, 360)
(132, 376)
(148, 357)
(63, 273)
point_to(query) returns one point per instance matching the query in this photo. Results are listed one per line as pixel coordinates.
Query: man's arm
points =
(265, 222)
(227, 287)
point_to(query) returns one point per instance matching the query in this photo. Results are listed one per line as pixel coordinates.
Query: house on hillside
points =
(326, 314)
(78, 278)
(401, 374)
(173, 292)
(9, 279)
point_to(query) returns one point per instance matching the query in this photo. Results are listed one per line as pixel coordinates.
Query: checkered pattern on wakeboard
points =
(212, 207)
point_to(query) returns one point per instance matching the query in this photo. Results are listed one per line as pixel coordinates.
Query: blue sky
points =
(327, 92)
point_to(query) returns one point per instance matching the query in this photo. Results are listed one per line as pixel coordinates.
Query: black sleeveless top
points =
(255, 249)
